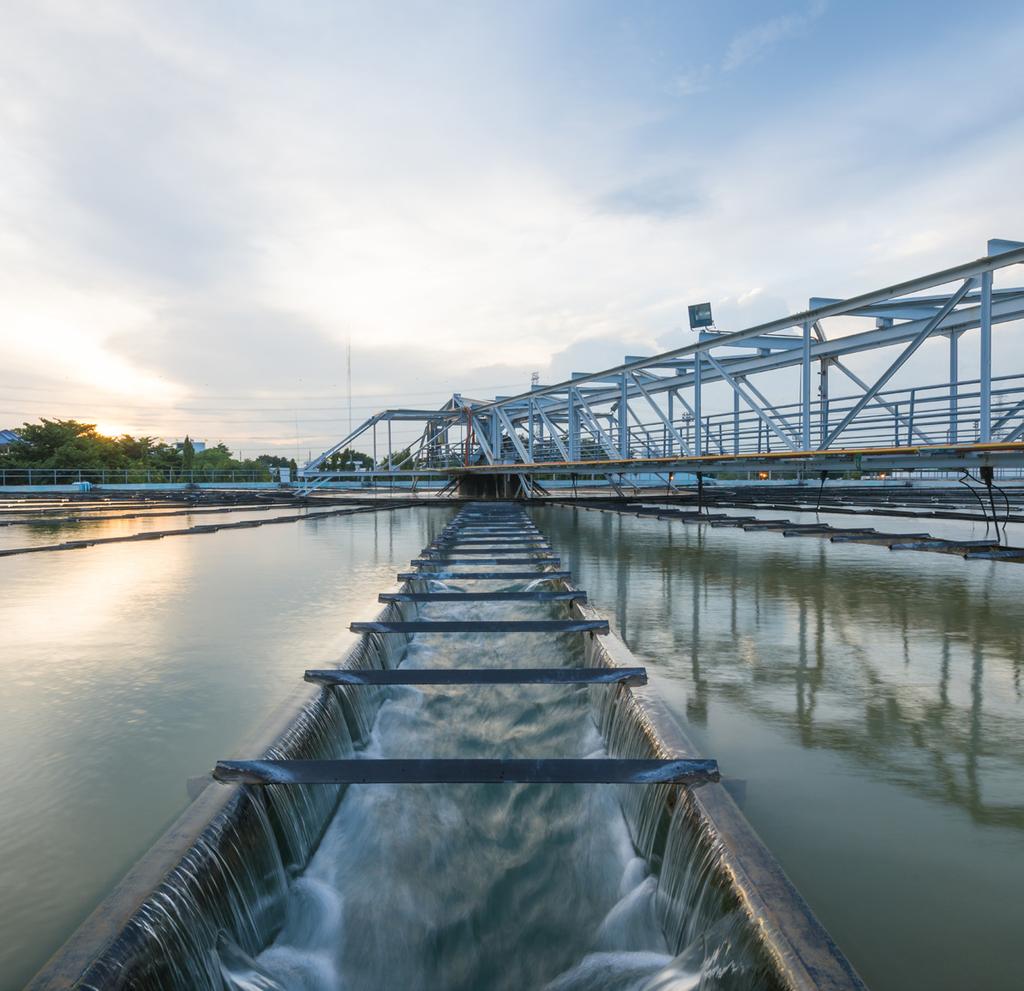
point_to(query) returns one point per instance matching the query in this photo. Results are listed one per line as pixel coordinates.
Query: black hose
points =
(981, 502)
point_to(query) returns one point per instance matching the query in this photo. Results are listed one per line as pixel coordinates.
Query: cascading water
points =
(456, 887)
(500, 887)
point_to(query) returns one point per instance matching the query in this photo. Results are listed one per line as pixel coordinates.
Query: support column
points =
(985, 369)
(623, 418)
(698, 429)
(669, 438)
(823, 399)
(805, 390)
(573, 427)
(736, 420)
(954, 378)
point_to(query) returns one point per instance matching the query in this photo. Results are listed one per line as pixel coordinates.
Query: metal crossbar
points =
(481, 551)
(653, 413)
(536, 559)
(454, 771)
(484, 626)
(489, 540)
(484, 575)
(574, 596)
(482, 676)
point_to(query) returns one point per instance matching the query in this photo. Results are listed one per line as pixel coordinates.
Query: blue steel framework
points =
(652, 413)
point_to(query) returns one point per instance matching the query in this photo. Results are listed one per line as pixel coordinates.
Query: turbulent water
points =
(467, 887)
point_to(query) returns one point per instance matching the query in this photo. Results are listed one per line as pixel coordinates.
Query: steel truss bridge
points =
(703, 408)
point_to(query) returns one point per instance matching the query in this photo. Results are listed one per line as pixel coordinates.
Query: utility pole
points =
(349, 377)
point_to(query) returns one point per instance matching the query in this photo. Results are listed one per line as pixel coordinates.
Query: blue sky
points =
(204, 203)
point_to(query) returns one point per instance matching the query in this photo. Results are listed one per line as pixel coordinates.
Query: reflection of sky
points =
(56, 532)
(204, 203)
(129, 668)
(869, 702)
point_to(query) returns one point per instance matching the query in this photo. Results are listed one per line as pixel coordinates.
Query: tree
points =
(137, 448)
(398, 457)
(217, 458)
(274, 461)
(77, 446)
(347, 460)
(63, 444)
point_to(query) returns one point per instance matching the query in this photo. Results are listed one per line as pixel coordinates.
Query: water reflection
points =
(866, 707)
(909, 664)
(128, 668)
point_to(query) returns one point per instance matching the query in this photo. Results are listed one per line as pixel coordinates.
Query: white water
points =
(466, 886)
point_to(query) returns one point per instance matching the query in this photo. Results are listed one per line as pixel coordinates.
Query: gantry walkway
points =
(764, 398)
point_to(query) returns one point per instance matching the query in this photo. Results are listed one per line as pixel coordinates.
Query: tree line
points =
(77, 446)
(71, 444)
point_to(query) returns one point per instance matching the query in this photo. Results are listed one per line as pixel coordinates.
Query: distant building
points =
(8, 437)
(197, 445)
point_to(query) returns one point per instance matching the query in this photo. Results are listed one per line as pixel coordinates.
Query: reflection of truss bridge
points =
(704, 408)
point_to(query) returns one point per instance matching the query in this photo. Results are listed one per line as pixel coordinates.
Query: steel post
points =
(954, 378)
(805, 388)
(698, 442)
(985, 362)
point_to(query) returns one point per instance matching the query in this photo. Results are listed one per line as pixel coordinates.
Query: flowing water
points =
(504, 887)
(129, 668)
(866, 708)
(864, 705)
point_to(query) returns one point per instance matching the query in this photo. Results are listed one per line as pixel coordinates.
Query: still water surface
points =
(126, 669)
(870, 704)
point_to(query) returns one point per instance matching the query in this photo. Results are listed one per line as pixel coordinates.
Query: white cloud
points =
(753, 43)
(693, 81)
(196, 209)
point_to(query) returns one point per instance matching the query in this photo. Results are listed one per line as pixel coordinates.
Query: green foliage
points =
(273, 461)
(59, 443)
(348, 460)
(398, 457)
(188, 453)
(77, 446)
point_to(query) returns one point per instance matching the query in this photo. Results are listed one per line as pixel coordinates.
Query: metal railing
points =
(127, 476)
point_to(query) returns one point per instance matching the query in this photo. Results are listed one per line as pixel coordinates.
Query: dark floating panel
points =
(433, 561)
(482, 676)
(575, 596)
(485, 626)
(444, 771)
(492, 551)
(483, 575)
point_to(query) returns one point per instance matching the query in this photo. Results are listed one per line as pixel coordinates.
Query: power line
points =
(288, 398)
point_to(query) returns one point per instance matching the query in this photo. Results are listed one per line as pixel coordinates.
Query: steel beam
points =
(467, 771)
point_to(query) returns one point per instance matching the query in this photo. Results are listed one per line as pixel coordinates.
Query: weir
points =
(302, 879)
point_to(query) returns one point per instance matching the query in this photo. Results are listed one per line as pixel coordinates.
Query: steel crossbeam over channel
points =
(658, 413)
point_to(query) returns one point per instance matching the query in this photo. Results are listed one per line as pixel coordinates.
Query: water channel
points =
(865, 705)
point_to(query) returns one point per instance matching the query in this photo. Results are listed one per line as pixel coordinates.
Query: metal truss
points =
(655, 413)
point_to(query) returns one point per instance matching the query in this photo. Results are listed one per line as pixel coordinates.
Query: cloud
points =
(207, 201)
(753, 43)
(664, 197)
(693, 81)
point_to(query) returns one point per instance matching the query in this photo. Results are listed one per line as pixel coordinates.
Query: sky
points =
(206, 205)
